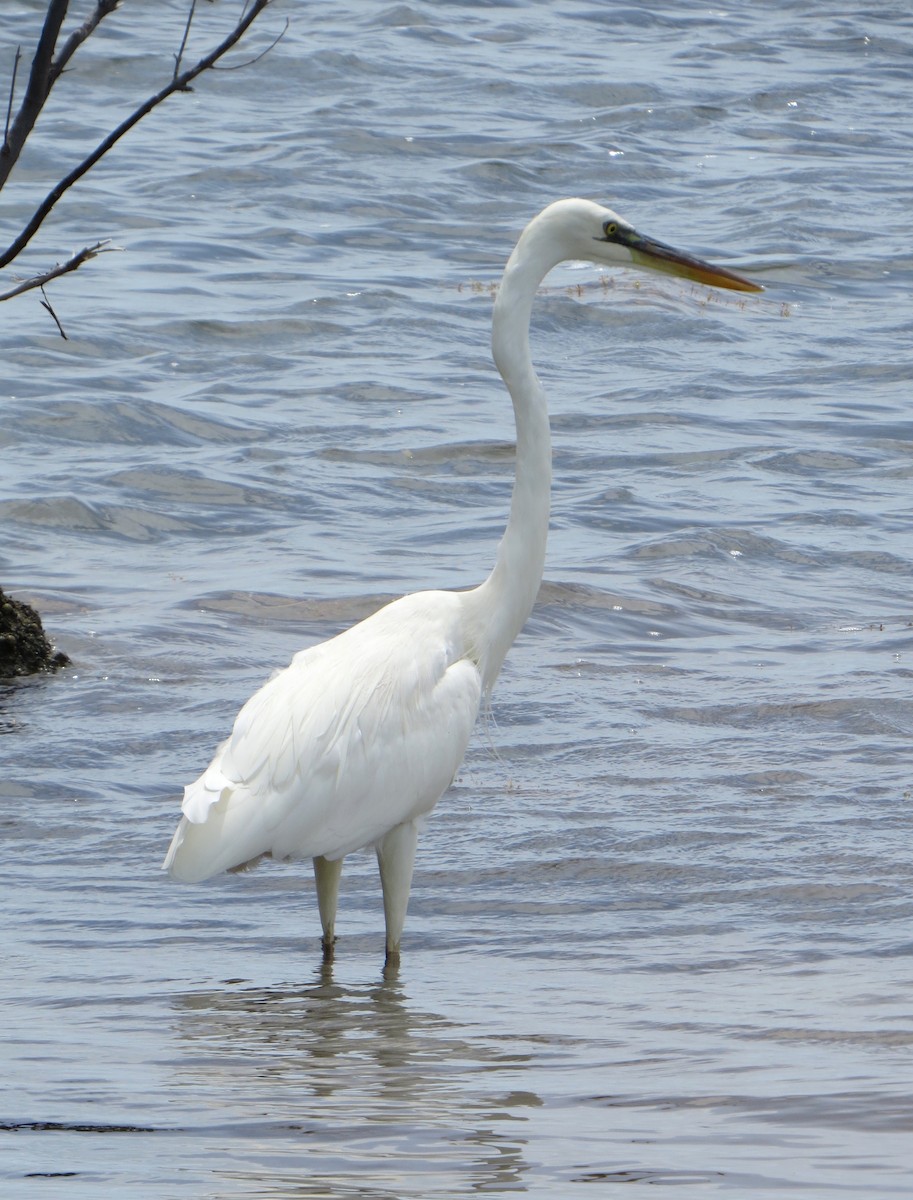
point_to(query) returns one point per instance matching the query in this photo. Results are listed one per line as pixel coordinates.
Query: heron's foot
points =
(328, 945)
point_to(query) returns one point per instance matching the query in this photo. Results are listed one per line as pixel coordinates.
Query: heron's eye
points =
(610, 229)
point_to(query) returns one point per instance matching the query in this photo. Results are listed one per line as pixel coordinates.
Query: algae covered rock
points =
(24, 647)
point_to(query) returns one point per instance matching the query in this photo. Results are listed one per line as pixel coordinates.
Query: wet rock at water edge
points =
(24, 647)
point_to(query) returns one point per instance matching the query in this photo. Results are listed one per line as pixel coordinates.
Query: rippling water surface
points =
(660, 929)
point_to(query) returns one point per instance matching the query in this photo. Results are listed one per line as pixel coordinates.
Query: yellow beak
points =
(647, 252)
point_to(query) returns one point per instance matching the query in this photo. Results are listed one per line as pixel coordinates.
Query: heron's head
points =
(584, 230)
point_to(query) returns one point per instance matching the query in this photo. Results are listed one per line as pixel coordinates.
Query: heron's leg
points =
(396, 858)
(326, 875)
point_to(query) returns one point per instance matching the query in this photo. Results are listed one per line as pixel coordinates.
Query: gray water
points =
(660, 929)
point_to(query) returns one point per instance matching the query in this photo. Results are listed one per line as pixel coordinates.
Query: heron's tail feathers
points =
(222, 828)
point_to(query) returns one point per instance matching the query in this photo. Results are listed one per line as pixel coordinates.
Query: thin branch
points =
(45, 303)
(178, 84)
(103, 8)
(9, 107)
(183, 45)
(249, 62)
(37, 89)
(61, 269)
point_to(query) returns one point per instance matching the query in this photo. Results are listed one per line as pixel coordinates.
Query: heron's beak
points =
(659, 257)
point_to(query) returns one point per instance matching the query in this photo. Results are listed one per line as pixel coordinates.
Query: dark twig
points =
(179, 83)
(61, 269)
(102, 9)
(45, 303)
(249, 62)
(183, 45)
(37, 89)
(9, 107)
(40, 85)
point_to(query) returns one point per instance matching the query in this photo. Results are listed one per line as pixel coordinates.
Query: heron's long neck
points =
(500, 606)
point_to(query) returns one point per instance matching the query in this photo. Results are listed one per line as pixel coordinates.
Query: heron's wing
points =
(357, 735)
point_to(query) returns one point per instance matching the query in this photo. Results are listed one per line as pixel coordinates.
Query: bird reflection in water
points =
(351, 1086)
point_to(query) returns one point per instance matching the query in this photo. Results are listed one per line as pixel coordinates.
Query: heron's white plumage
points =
(356, 736)
(361, 735)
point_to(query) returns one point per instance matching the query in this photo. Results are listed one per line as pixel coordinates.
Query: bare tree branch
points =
(178, 83)
(37, 89)
(49, 70)
(61, 269)
(78, 36)
(46, 304)
(183, 46)
(249, 62)
(9, 107)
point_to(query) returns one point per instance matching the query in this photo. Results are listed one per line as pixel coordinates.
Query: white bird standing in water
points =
(355, 741)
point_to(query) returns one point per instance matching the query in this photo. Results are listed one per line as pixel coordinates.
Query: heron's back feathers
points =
(355, 736)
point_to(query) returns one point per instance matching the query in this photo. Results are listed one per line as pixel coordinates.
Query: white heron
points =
(357, 739)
